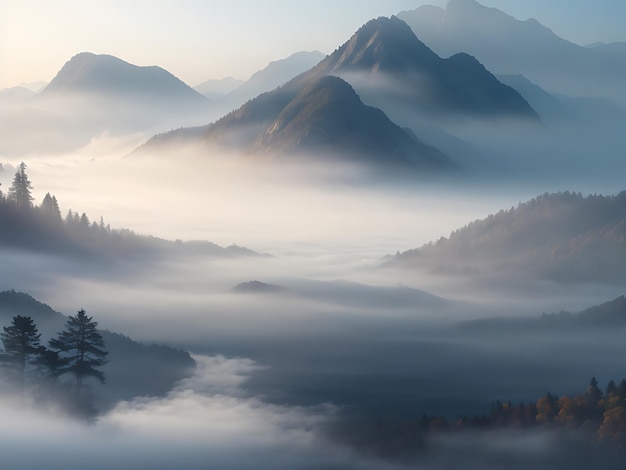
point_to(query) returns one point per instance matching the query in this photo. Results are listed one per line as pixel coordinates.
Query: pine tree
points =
(82, 347)
(21, 347)
(19, 192)
(50, 209)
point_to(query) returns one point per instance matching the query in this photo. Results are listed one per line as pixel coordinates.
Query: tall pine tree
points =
(19, 192)
(21, 347)
(82, 347)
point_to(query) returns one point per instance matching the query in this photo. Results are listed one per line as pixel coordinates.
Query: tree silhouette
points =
(82, 347)
(21, 347)
(50, 209)
(19, 192)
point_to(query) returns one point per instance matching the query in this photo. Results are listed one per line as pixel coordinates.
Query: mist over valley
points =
(404, 252)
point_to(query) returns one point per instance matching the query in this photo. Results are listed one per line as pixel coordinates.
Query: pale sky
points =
(201, 39)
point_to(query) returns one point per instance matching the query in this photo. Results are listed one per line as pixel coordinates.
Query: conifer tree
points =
(50, 209)
(21, 347)
(82, 347)
(20, 190)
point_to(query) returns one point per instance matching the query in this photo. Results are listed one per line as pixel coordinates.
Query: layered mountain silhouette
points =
(609, 314)
(16, 95)
(105, 75)
(560, 237)
(217, 88)
(92, 95)
(389, 67)
(274, 75)
(326, 119)
(510, 46)
(547, 105)
(385, 57)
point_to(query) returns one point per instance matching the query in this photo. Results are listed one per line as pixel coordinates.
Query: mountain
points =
(509, 46)
(610, 314)
(346, 293)
(16, 95)
(94, 95)
(134, 369)
(391, 69)
(384, 59)
(274, 75)
(35, 87)
(547, 105)
(108, 76)
(256, 287)
(326, 119)
(562, 237)
(613, 311)
(217, 88)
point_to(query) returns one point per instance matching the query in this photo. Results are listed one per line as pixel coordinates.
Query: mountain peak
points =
(328, 118)
(382, 44)
(107, 75)
(463, 5)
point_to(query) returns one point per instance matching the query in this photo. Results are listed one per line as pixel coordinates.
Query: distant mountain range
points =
(16, 95)
(561, 237)
(109, 77)
(93, 95)
(217, 88)
(385, 62)
(346, 293)
(509, 46)
(611, 314)
(274, 75)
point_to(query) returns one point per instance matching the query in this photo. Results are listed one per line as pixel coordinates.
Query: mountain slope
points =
(560, 237)
(216, 88)
(274, 75)
(109, 76)
(325, 119)
(510, 46)
(385, 56)
(547, 105)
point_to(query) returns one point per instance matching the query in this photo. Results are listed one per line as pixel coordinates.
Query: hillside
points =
(134, 369)
(561, 237)
(41, 229)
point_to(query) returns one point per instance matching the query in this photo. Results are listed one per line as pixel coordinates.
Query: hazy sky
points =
(198, 39)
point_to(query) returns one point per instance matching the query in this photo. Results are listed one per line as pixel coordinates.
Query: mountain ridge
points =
(562, 237)
(509, 46)
(388, 47)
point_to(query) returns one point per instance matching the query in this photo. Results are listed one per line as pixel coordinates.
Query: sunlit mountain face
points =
(371, 236)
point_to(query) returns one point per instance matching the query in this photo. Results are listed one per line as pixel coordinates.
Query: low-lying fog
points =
(210, 421)
(330, 335)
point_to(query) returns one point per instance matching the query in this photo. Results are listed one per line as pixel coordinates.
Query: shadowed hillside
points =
(561, 237)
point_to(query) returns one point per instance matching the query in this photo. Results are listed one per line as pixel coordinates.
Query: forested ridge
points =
(23, 224)
(562, 237)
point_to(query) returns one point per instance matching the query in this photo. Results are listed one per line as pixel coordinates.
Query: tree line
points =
(599, 414)
(43, 228)
(78, 352)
